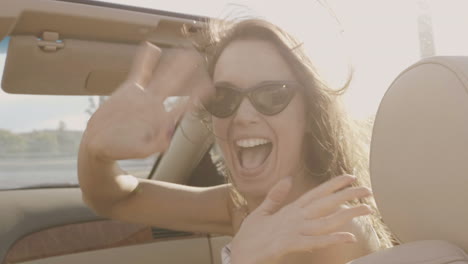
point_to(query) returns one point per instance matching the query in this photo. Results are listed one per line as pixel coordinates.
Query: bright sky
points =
(380, 36)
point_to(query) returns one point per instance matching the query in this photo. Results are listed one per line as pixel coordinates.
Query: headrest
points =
(419, 152)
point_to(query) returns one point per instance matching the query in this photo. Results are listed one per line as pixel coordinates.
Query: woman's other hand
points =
(311, 222)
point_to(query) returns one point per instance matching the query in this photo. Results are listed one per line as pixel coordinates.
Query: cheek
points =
(291, 137)
(220, 130)
(290, 126)
(220, 127)
(292, 121)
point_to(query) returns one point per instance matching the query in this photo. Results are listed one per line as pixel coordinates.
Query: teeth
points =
(251, 142)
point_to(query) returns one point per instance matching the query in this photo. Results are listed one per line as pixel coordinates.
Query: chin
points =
(252, 163)
(256, 187)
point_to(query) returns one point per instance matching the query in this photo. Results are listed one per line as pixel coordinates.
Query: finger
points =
(181, 106)
(174, 118)
(331, 203)
(178, 110)
(164, 121)
(325, 189)
(202, 84)
(171, 74)
(144, 63)
(163, 133)
(180, 72)
(276, 196)
(311, 243)
(335, 221)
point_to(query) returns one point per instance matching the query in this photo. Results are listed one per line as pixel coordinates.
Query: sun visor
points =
(79, 68)
(74, 48)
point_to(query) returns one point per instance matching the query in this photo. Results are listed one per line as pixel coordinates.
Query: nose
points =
(246, 114)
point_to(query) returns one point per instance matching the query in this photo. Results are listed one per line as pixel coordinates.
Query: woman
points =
(284, 141)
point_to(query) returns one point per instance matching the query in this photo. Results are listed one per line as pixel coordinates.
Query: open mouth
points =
(252, 153)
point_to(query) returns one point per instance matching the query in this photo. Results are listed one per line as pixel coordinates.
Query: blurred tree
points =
(11, 143)
(62, 126)
(91, 107)
(68, 141)
(42, 141)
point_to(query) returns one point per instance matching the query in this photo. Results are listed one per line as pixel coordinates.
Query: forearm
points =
(102, 182)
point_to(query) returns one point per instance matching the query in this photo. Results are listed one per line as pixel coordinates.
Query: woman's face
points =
(244, 64)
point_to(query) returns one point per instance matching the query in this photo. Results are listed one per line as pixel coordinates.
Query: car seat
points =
(419, 164)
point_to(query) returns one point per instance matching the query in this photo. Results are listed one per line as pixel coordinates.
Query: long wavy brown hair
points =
(337, 144)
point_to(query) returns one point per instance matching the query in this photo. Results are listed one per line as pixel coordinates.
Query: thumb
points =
(276, 196)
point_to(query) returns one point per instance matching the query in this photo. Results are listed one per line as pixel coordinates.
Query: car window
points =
(40, 135)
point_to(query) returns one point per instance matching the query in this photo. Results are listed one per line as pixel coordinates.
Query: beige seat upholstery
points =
(419, 163)
(419, 252)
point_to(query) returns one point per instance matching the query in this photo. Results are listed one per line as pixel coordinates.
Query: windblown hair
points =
(337, 144)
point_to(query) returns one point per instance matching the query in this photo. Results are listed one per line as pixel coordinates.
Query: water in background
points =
(55, 170)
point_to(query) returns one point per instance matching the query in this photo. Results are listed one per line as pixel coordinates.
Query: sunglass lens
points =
(223, 103)
(272, 99)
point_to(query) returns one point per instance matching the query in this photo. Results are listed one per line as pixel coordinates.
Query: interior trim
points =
(182, 251)
(88, 236)
(80, 237)
(28, 211)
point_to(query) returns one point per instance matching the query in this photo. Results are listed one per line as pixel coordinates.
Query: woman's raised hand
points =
(311, 222)
(133, 122)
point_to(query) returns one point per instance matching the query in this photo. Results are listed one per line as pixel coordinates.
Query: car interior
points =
(53, 225)
(418, 160)
(418, 163)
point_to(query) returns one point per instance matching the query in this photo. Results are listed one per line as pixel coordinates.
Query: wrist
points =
(244, 258)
